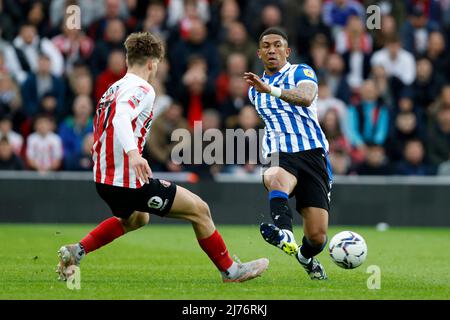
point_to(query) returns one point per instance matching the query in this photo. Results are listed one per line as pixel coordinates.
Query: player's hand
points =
(140, 166)
(256, 82)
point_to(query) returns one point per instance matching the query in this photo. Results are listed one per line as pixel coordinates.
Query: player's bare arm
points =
(303, 95)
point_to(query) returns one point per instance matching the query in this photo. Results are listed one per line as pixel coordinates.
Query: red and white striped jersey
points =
(129, 99)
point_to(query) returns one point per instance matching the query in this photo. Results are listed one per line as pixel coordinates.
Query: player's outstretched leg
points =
(104, 233)
(315, 222)
(280, 183)
(189, 206)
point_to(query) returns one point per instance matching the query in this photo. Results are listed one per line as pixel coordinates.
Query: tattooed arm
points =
(303, 95)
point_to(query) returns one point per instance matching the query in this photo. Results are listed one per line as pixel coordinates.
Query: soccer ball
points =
(348, 249)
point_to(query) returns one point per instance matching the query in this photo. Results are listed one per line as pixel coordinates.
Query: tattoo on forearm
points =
(303, 95)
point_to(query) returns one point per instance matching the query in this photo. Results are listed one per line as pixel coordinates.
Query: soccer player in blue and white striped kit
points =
(296, 151)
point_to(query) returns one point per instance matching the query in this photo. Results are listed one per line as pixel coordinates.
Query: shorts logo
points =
(155, 202)
(164, 183)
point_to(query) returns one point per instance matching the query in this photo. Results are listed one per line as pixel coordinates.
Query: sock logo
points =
(155, 202)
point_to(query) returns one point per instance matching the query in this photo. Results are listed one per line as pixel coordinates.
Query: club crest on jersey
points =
(155, 202)
(308, 73)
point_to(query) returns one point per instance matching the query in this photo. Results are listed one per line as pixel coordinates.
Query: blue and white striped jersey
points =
(289, 128)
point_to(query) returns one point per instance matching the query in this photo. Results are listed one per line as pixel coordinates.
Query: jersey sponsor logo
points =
(155, 202)
(308, 73)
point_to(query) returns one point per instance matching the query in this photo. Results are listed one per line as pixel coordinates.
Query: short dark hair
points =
(274, 30)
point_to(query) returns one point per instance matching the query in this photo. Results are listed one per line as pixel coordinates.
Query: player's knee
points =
(141, 219)
(318, 238)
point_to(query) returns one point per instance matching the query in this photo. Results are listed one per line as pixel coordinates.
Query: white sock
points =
(302, 258)
(231, 271)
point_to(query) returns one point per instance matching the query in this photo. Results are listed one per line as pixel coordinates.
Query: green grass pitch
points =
(165, 262)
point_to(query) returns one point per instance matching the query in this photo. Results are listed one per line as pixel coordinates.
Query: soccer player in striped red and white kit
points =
(124, 179)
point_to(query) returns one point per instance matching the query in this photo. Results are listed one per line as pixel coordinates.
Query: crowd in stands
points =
(384, 94)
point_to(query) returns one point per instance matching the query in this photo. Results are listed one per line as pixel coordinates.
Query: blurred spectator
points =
(8, 159)
(7, 29)
(357, 65)
(427, 85)
(398, 63)
(379, 75)
(375, 163)
(310, 25)
(8, 53)
(318, 55)
(163, 97)
(41, 83)
(79, 82)
(405, 128)
(160, 144)
(442, 101)
(210, 120)
(332, 128)
(74, 45)
(236, 66)
(436, 53)
(112, 10)
(44, 147)
(431, 9)
(178, 9)
(196, 44)
(37, 16)
(232, 106)
(414, 163)
(246, 151)
(11, 100)
(196, 94)
(113, 40)
(353, 35)
(439, 137)
(340, 162)
(29, 46)
(73, 131)
(229, 13)
(337, 12)
(387, 30)
(7, 132)
(369, 120)
(155, 20)
(336, 78)
(416, 30)
(82, 161)
(238, 42)
(271, 16)
(326, 102)
(115, 71)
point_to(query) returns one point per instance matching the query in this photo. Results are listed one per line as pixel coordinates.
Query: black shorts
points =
(156, 198)
(314, 178)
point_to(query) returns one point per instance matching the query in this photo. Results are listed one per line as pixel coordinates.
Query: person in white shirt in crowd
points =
(44, 147)
(396, 61)
(28, 44)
